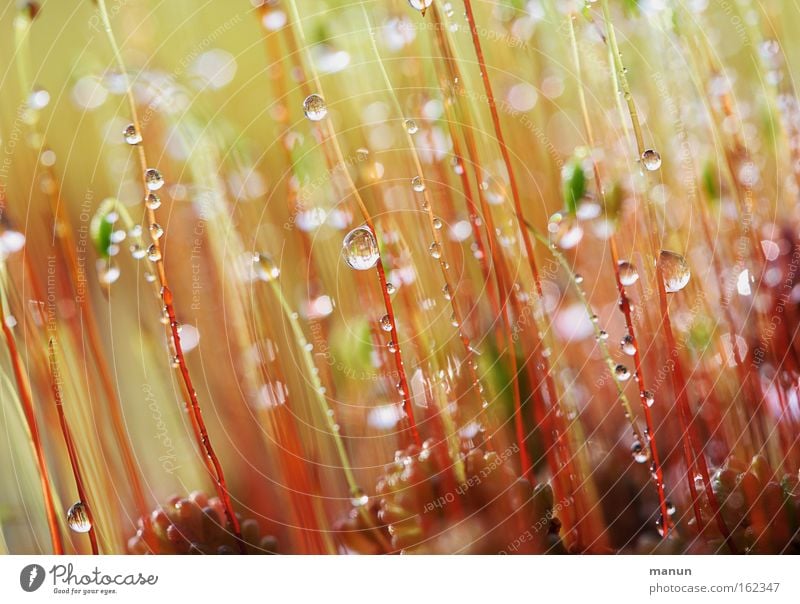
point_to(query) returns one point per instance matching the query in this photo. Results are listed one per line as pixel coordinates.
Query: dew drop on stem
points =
(131, 134)
(674, 270)
(265, 268)
(628, 275)
(639, 452)
(153, 179)
(627, 345)
(651, 159)
(78, 518)
(152, 201)
(420, 5)
(315, 108)
(360, 249)
(623, 373)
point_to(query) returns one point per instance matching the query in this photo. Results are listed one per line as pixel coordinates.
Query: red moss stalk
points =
(55, 379)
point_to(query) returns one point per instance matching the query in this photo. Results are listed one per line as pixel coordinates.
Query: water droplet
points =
(132, 136)
(265, 267)
(153, 253)
(314, 107)
(38, 98)
(149, 277)
(360, 249)
(78, 519)
(627, 345)
(628, 275)
(648, 398)
(411, 126)
(386, 323)
(602, 336)
(674, 270)
(639, 452)
(107, 272)
(670, 508)
(392, 346)
(578, 278)
(153, 179)
(400, 390)
(390, 288)
(623, 373)
(699, 483)
(435, 250)
(137, 251)
(358, 498)
(565, 230)
(437, 223)
(417, 184)
(446, 292)
(156, 231)
(152, 201)
(420, 5)
(651, 159)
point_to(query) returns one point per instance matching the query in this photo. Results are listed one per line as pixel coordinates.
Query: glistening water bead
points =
(627, 346)
(628, 275)
(265, 268)
(640, 453)
(358, 498)
(153, 179)
(623, 373)
(78, 519)
(360, 249)
(674, 270)
(315, 108)
(420, 5)
(386, 323)
(132, 136)
(651, 159)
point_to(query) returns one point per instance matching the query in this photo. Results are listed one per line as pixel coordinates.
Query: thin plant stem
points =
(55, 378)
(26, 401)
(192, 404)
(624, 300)
(381, 271)
(678, 379)
(515, 194)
